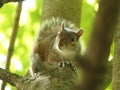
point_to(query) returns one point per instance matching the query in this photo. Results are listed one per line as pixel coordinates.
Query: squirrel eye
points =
(73, 39)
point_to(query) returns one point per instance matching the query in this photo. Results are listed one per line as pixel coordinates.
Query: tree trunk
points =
(66, 9)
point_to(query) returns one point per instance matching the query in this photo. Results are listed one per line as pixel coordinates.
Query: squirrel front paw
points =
(67, 64)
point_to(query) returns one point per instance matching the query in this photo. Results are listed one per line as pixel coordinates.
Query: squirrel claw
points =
(63, 63)
(66, 64)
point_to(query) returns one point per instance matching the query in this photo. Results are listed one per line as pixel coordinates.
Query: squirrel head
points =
(68, 39)
(79, 33)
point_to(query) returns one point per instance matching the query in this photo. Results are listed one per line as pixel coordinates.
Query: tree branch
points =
(9, 77)
(116, 61)
(99, 44)
(40, 82)
(2, 2)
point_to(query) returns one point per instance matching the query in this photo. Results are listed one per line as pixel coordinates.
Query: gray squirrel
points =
(54, 53)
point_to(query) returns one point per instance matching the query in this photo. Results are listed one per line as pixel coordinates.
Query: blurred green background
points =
(28, 27)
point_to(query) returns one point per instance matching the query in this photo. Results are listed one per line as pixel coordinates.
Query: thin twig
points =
(12, 40)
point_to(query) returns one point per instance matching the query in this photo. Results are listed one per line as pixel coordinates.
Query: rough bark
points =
(9, 77)
(116, 61)
(41, 82)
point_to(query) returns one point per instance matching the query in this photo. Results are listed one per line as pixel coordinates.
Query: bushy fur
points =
(52, 47)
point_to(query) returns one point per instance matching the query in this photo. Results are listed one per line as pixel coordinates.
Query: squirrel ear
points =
(80, 32)
(62, 26)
